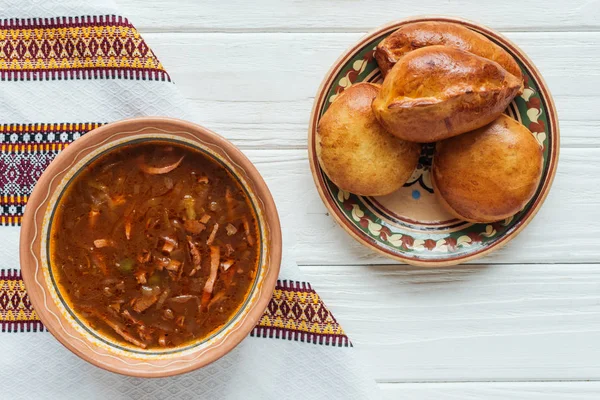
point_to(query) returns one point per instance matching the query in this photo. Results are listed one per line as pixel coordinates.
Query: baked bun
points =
(437, 92)
(488, 174)
(415, 35)
(354, 150)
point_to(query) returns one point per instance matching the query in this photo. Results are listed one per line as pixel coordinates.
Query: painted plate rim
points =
(361, 237)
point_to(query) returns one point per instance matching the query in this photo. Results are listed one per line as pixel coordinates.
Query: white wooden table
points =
(522, 323)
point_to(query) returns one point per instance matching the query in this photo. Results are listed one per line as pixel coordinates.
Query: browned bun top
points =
(490, 173)
(436, 92)
(356, 152)
(430, 33)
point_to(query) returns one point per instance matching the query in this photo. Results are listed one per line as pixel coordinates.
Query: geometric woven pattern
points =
(16, 312)
(295, 312)
(86, 47)
(25, 152)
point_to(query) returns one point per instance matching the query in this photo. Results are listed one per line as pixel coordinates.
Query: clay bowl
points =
(67, 326)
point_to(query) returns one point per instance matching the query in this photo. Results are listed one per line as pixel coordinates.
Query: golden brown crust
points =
(488, 174)
(437, 92)
(354, 150)
(415, 35)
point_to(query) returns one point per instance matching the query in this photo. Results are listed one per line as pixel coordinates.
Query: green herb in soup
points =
(155, 244)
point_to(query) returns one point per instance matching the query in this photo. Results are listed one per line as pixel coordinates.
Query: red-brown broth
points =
(131, 245)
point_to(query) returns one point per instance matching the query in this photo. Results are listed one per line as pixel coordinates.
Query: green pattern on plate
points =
(528, 108)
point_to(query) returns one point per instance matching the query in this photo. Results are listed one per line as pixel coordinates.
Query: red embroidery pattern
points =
(295, 312)
(16, 312)
(87, 47)
(25, 152)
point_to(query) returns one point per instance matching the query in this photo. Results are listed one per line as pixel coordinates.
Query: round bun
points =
(490, 173)
(356, 152)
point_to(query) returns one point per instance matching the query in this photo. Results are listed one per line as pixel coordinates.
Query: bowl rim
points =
(38, 209)
(314, 120)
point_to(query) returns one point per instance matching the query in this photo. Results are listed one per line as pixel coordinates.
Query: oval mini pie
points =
(437, 92)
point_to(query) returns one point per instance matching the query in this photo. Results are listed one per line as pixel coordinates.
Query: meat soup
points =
(155, 244)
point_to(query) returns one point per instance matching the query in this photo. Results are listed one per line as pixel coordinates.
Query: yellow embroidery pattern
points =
(16, 312)
(296, 312)
(76, 48)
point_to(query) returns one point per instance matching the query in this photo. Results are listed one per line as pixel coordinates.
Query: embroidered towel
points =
(66, 68)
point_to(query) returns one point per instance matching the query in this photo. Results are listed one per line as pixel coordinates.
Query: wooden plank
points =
(257, 89)
(339, 15)
(491, 390)
(565, 230)
(469, 323)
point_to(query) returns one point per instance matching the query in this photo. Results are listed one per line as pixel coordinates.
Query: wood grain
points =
(469, 323)
(492, 391)
(565, 230)
(340, 15)
(257, 89)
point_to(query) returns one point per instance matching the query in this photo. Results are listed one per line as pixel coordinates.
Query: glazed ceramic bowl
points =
(410, 225)
(67, 326)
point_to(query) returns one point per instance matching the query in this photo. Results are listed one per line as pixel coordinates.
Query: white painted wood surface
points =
(521, 324)
(494, 391)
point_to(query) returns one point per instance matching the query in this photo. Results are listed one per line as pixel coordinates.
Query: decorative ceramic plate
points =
(409, 225)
